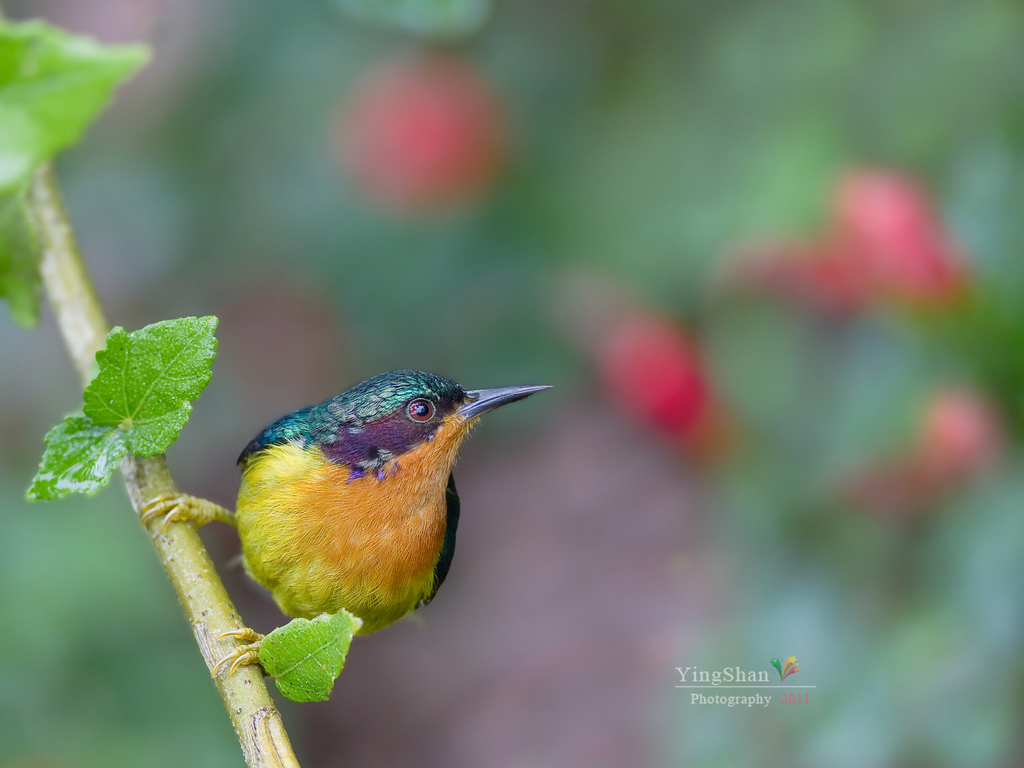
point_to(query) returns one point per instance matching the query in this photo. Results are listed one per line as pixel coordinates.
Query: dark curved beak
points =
(480, 401)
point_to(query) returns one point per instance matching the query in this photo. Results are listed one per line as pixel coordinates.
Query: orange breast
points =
(320, 541)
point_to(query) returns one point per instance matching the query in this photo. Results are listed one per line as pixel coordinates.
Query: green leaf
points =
(52, 85)
(19, 272)
(148, 378)
(80, 457)
(442, 18)
(305, 657)
(138, 402)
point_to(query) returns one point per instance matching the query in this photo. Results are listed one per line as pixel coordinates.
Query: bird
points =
(350, 504)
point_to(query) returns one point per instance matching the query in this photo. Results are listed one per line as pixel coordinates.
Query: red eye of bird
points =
(421, 409)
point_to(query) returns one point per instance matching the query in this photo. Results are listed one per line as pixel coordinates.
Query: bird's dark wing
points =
(293, 428)
(444, 562)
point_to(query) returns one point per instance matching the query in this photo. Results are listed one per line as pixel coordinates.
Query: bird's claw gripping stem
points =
(243, 654)
(181, 507)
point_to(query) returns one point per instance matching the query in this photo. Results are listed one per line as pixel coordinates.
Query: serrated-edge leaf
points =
(57, 84)
(148, 377)
(83, 452)
(308, 638)
(80, 457)
(52, 86)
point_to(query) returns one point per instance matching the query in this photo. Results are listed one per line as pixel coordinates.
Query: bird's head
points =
(372, 425)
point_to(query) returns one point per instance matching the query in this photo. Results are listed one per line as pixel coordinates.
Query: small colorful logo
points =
(787, 669)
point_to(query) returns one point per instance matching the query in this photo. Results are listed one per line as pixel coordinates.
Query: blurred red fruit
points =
(885, 244)
(888, 222)
(653, 369)
(960, 434)
(423, 132)
(959, 437)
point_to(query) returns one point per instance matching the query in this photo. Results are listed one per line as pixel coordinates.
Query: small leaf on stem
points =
(305, 657)
(148, 378)
(138, 402)
(80, 457)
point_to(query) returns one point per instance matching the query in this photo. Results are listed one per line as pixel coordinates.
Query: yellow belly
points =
(320, 543)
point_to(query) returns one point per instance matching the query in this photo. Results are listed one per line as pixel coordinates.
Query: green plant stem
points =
(207, 606)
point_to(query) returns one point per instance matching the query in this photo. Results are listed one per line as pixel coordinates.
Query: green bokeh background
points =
(650, 138)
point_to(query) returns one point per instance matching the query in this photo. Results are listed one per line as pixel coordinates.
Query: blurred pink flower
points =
(422, 132)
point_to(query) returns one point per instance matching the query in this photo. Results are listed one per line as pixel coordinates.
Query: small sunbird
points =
(351, 503)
